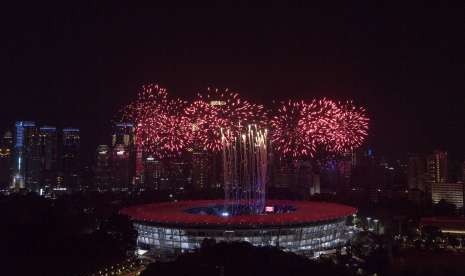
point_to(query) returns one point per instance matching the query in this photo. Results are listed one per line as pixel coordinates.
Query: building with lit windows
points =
(123, 134)
(436, 171)
(416, 172)
(201, 168)
(307, 228)
(297, 177)
(123, 156)
(26, 164)
(102, 170)
(450, 192)
(179, 175)
(71, 158)
(48, 144)
(153, 173)
(206, 168)
(121, 168)
(436, 165)
(6, 160)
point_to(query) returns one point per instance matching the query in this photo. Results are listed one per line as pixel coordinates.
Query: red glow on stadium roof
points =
(173, 213)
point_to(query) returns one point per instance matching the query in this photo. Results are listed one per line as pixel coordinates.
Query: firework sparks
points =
(205, 125)
(300, 129)
(166, 126)
(290, 130)
(349, 128)
(160, 127)
(217, 110)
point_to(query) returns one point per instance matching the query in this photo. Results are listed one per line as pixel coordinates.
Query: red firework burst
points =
(217, 110)
(205, 125)
(301, 129)
(290, 130)
(166, 127)
(160, 127)
(348, 129)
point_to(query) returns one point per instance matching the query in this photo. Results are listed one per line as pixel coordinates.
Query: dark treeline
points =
(65, 236)
(242, 259)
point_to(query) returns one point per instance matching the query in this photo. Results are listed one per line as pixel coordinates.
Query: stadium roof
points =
(174, 213)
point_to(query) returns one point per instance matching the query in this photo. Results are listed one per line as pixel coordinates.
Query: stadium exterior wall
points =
(303, 232)
(307, 240)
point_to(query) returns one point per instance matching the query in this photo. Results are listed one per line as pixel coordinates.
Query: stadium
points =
(307, 228)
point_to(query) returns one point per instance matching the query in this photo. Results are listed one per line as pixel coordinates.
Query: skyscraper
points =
(71, 158)
(436, 170)
(123, 134)
(103, 167)
(6, 158)
(122, 176)
(200, 170)
(179, 175)
(153, 172)
(8, 140)
(123, 156)
(416, 172)
(26, 159)
(48, 144)
(437, 167)
(139, 164)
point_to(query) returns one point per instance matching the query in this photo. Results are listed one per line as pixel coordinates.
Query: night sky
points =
(76, 65)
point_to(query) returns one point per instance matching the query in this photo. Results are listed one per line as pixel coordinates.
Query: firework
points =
(166, 126)
(348, 129)
(205, 125)
(160, 125)
(301, 129)
(318, 117)
(291, 130)
(219, 110)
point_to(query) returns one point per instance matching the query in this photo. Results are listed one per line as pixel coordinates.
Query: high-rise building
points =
(102, 171)
(295, 177)
(48, 144)
(121, 168)
(437, 167)
(8, 140)
(436, 170)
(201, 169)
(139, 162)
(416, 172)
(123, 156)
(123, 134)
(283, 176)
(153, 173)
(26, 156)
(6, 158)
(71, 158)
(179, 175)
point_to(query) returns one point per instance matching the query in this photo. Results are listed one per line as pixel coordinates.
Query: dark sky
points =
(75, 64)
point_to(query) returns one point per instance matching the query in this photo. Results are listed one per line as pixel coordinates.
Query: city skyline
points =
(403, 68)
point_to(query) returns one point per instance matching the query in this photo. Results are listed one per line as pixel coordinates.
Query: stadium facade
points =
(306, 228)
